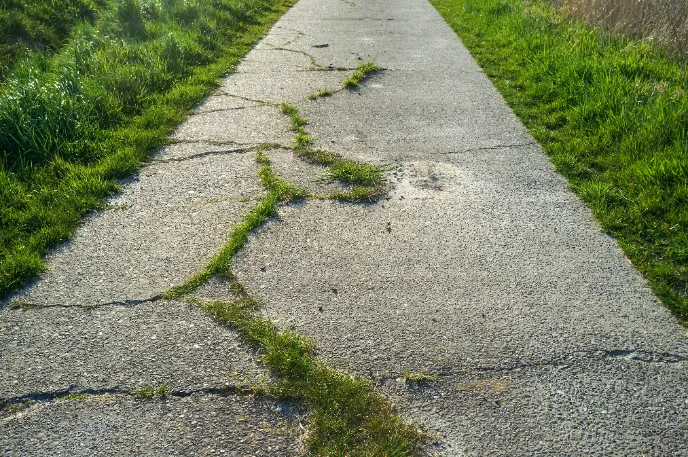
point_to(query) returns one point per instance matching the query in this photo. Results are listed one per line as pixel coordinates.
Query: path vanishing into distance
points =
(479, 270)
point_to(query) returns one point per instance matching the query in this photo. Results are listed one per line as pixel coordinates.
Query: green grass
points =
(366, 180)
(37, 26)
(419, 377)
(611, 113)
(321, 93)
(72, 122)
(148, 392)
(356, 173)
(364, 70)
(348, 418)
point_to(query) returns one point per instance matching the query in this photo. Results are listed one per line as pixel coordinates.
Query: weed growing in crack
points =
(347, 416)
(364, 70)
(367, 180)
(318, 156)
(419, 377)
(220, 265)
(322, 93)
(148, 392)
(75, 397)
(275, 183)
(356, 173)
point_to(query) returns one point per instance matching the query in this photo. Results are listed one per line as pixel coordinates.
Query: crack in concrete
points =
(199, 155)
(492, 148)
(220, 110)
(77, 393)
(247, 146)
(575, 357)
(18, 304)
(314, 61)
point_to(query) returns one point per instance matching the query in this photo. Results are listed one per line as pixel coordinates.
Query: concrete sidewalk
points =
(480, 267)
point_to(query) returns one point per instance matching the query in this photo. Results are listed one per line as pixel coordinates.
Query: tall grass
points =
(612, 113)
(28, 26)
(73, 122)
(664, 22)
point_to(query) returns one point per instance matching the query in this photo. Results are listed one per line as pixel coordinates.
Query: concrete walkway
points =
(480, 267)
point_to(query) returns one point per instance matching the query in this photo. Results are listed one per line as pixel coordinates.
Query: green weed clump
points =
(364, 70)
(367, 181)
(612, 113)
(74, 121)
(347, 416)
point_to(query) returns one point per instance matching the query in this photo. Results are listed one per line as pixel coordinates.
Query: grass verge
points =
(39, 26)
(612, 113)
(75, 121)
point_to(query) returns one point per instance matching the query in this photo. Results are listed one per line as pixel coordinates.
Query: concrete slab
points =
(283, 86)
(481, 264)
(168, 222)
(50, 350)
(597, 405)
(120, 426)
(264, 124)
(405, 115)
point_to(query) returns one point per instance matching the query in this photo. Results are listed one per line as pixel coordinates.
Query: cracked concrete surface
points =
(122, 426)
(481, 267)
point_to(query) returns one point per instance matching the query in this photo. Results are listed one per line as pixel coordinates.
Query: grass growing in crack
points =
(364, 70)
(220, 264)
(148, 392)
(73, 122)
(356, 173)
(347, 416)
(274, 183)
(611, 112)
(419, 377)
(367, 180)
(322, 93)
(298, 123)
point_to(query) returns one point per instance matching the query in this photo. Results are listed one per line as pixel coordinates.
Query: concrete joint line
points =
(75, 392)
(222, 93)
(121, 303)
(221, 110)
(203, 154)
(493, 148)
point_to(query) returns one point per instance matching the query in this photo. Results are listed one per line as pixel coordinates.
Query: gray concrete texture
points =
(480, 267)
(119, 426)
